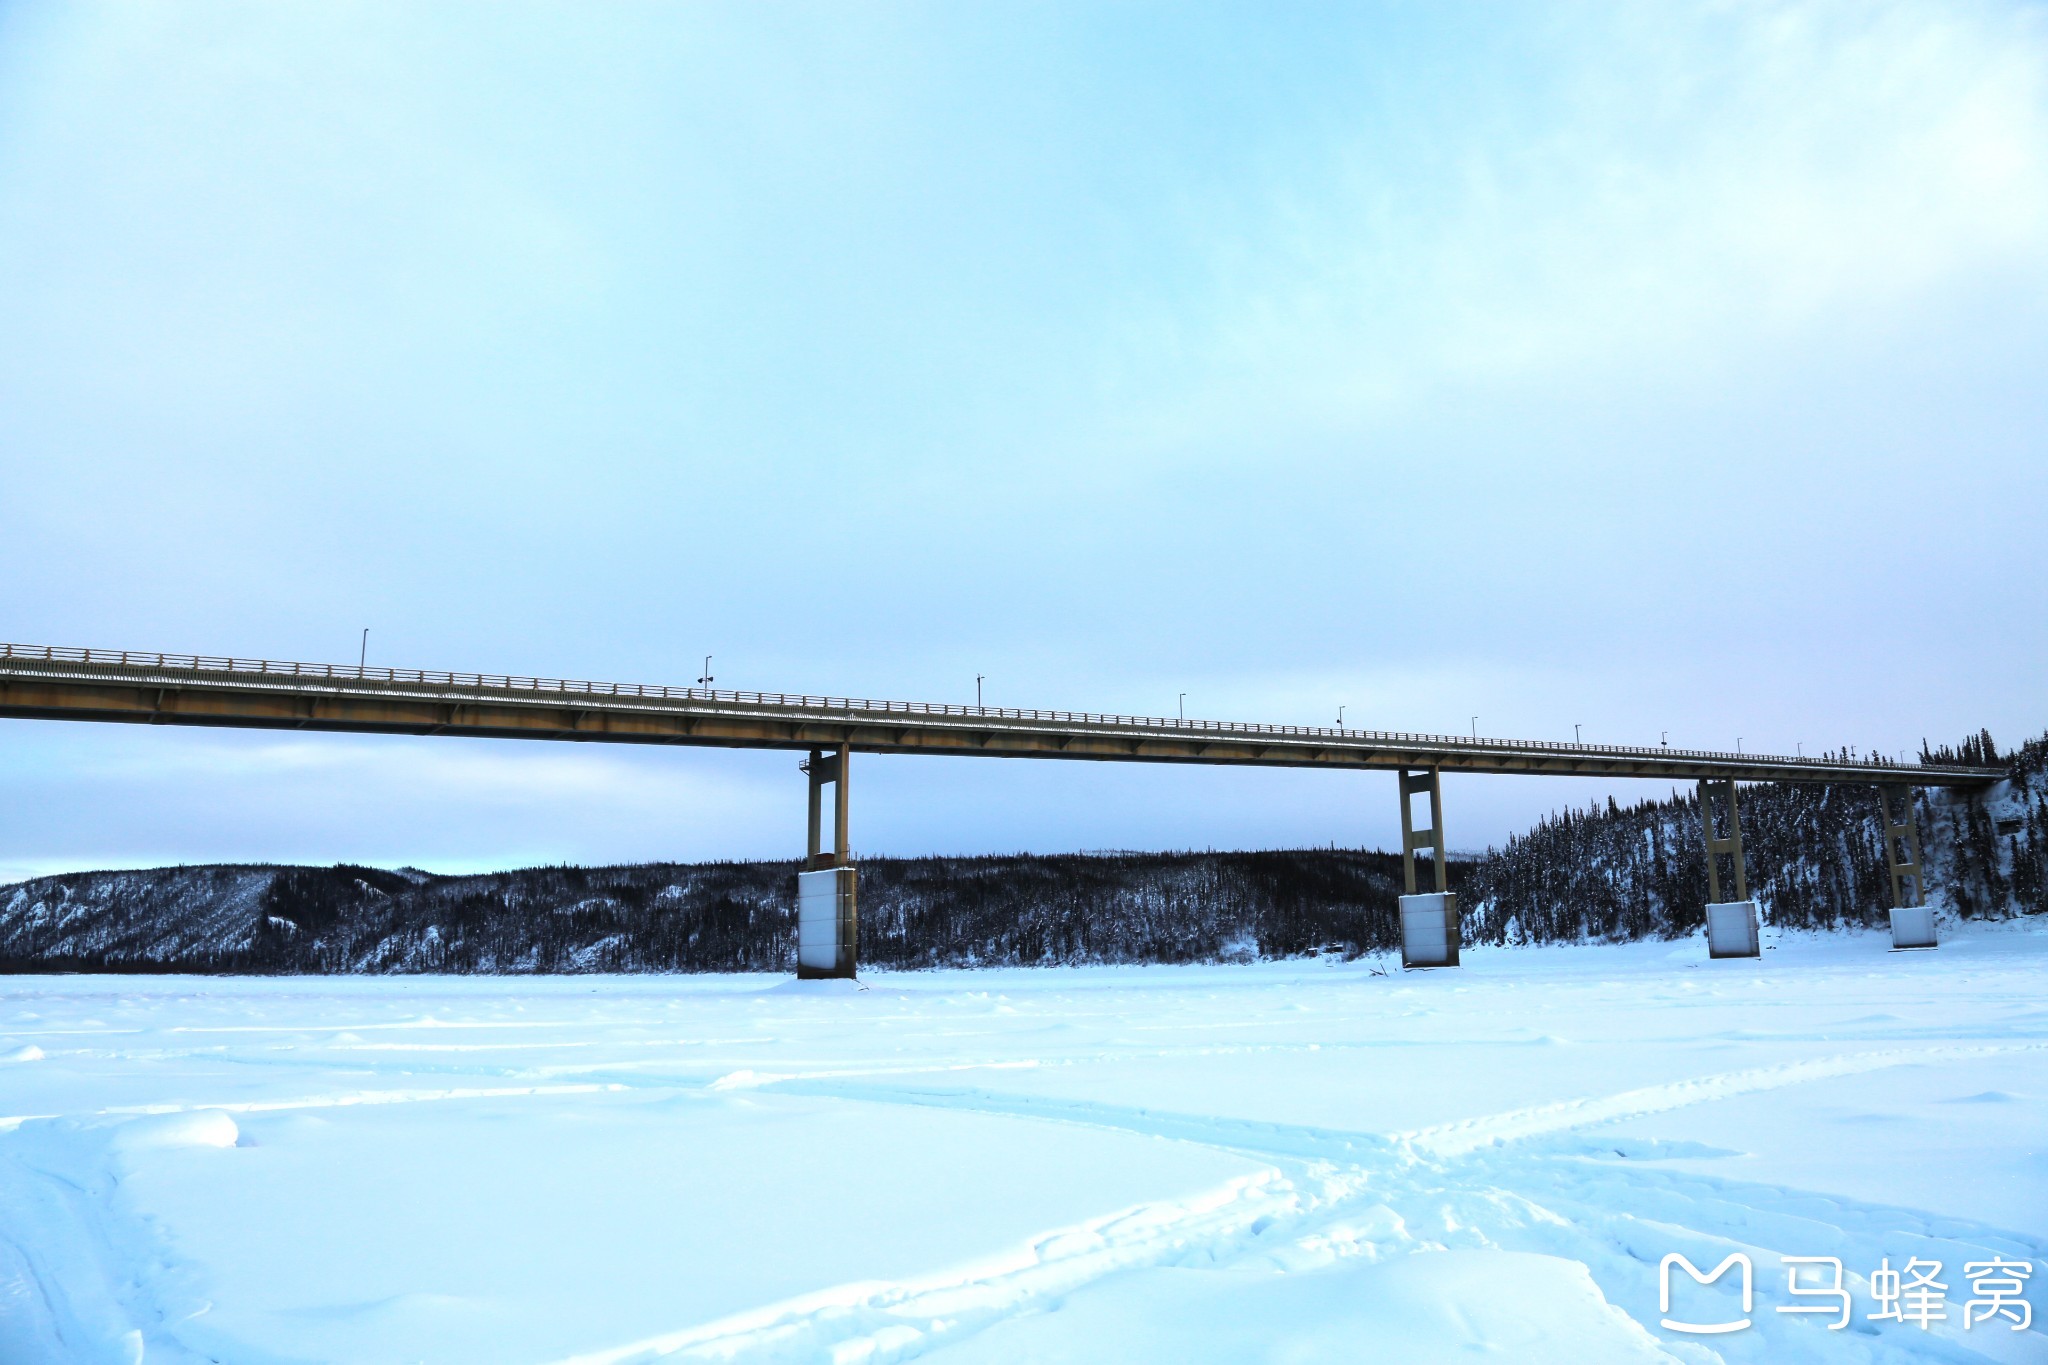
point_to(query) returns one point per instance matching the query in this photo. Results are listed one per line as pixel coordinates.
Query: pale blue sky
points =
(1648, 368)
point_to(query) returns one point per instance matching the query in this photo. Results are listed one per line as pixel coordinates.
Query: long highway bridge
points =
(44, 682)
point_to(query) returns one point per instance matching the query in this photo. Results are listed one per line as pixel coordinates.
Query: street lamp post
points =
(363, 658)
(707, 679)
(1575, 734)
(977, 690)
(1475, 729)
(1183, 706)
(1340, 718)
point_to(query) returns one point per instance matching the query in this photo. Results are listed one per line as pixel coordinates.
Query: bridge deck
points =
(57, 683)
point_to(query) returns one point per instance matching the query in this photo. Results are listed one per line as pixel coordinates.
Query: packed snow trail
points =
(1274, 1161)
(1302, 1222)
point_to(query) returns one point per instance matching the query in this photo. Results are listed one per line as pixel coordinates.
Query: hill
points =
(1609, 873)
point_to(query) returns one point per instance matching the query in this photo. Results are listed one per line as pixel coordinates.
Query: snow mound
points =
(196, 1128)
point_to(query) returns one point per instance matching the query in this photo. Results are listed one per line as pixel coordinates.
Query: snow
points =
(1536, 1310)
(1278, 1161)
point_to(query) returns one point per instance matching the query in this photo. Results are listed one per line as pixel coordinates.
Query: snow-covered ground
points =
(1298, 1161)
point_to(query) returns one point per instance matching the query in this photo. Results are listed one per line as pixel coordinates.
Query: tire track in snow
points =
(1438, 1142)
(876, 1321)
(1362, 1174)
(1261, 1215)
(1752, 1209)
(1252, 1137)
(1620, 1220)
(1468, 1135)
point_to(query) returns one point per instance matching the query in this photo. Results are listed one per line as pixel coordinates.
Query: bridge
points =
(44, 682)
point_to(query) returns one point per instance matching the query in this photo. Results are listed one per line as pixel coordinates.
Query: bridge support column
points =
(1429, 920)
(826, 925)
(1731, 925)
(1912, 916)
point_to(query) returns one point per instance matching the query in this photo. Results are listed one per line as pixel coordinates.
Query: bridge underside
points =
(38, 683)
(371, 708)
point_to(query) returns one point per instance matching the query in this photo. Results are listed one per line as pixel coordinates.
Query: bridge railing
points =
(501, 682)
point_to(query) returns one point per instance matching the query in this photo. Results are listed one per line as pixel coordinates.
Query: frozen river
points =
(1298, 1161)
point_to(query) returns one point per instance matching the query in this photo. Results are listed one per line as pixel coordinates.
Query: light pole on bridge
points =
(977, 690)
(363, 658)
(707, 679)
(1183, 706)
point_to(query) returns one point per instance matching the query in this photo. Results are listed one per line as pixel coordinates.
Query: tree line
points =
(1606, 873)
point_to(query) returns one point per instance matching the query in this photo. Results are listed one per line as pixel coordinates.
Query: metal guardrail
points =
(509, 683)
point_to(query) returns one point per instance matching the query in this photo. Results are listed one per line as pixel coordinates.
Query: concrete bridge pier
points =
(1429, 920)
(826, 925)
(1912, 916)
(1731, 925)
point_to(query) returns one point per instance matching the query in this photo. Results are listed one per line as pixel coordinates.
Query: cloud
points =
(1653, 186)
(447, 804)
(1548, 363)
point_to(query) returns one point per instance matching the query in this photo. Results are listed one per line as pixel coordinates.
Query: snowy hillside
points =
(919, 912)
(1610, 874)
(1814, 855)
